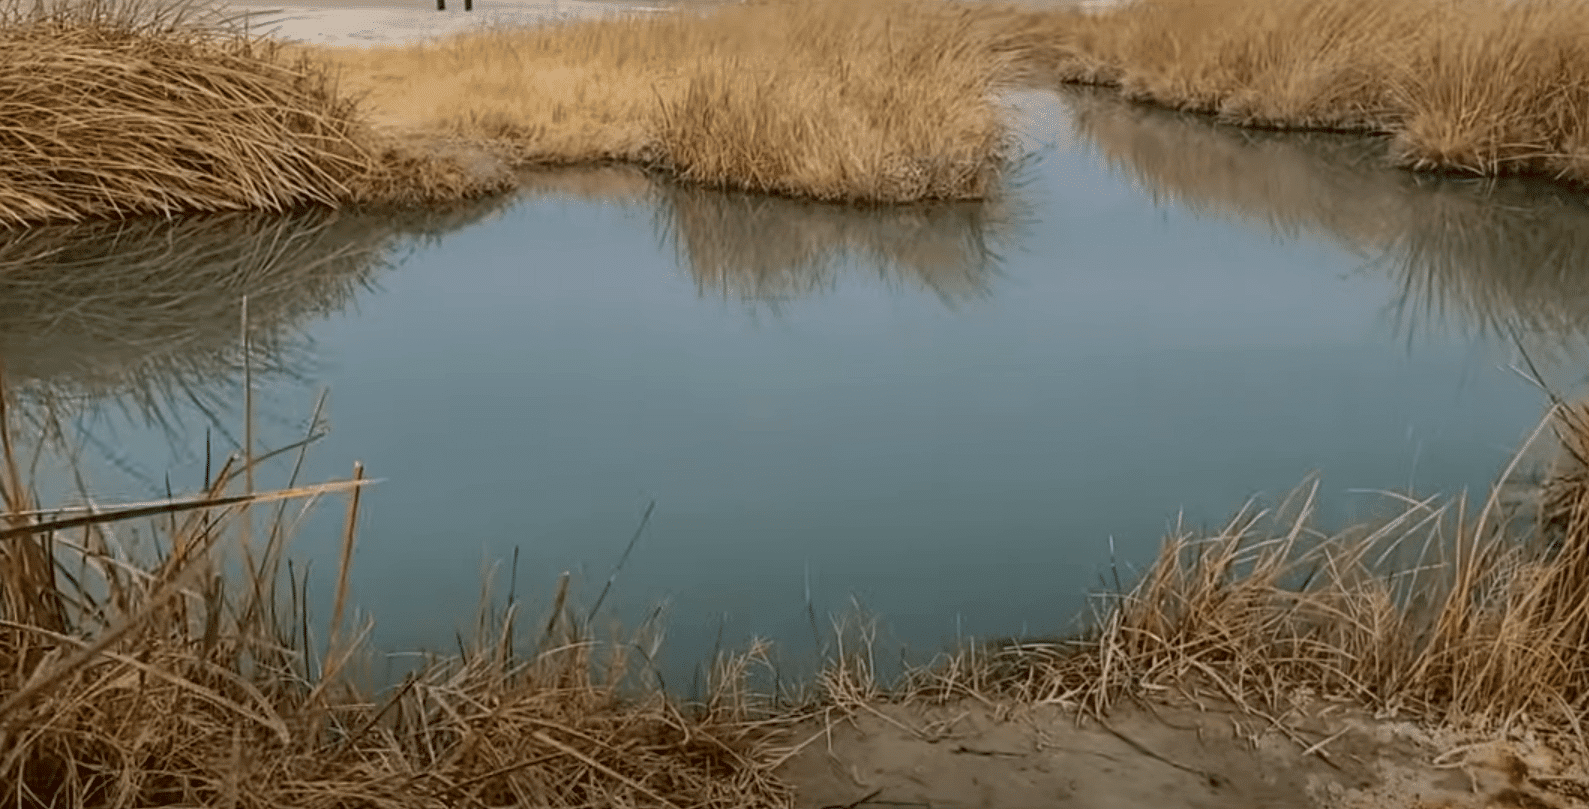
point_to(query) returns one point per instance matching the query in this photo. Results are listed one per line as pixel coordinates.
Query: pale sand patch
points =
(363, 23)
(1171, 758)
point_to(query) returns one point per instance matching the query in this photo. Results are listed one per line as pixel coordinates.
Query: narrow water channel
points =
(963, 418)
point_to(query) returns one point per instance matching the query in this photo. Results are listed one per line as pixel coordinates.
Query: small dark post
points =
(441, 5)
(468, 5)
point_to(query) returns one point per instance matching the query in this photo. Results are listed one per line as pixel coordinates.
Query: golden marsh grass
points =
(1471, 86)
(116, 108)
(112, 110)
(873, 101)
(1454, 613)
(135, 672)
(162, 109)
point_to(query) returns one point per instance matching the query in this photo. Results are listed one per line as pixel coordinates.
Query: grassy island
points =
(115, 109)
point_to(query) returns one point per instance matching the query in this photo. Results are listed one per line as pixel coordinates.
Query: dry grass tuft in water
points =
(133, 676)
(872, 101)
(1470, 86)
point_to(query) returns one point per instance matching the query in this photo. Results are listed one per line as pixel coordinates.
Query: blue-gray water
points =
(951, 415)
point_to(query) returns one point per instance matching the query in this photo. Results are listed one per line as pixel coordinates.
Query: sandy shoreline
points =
(981, 755)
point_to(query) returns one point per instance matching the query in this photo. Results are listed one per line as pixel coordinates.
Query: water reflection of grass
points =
(149, 310)
(1506, 256)
(768, 249)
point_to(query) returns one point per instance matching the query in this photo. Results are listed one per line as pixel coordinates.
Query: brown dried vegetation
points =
(133, 675)
(1469, 86)
(117, 108)
(874, 101)
(1444, 614)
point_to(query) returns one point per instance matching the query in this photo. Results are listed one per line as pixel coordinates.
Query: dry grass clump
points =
(135, 672)
(110, 111)
(876, 101)
(1472, 86)
(1441, 613)
(1504, 257)
(1499, 87)
(1292, 63)
(118, 108)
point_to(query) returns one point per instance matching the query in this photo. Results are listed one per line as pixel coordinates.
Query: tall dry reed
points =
(136, 669)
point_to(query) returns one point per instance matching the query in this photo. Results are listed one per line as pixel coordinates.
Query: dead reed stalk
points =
(130, 679)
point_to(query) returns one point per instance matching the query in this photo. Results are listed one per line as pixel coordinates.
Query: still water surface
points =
(955, 415)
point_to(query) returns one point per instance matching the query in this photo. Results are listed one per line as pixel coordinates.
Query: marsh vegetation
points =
(168, 653)
(144, 671)
(158, 110)
(120, 109)
(1483, 88)
(177, 659)
(885, 101)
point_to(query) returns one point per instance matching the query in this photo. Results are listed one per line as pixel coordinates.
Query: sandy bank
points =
(993, 755)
